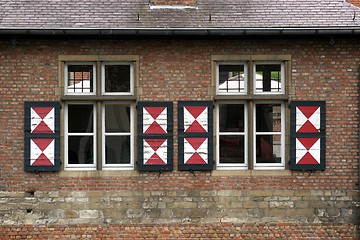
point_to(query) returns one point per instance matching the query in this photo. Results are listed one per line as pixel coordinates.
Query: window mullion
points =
(99, 118)
(251, 129)
(250, 79)
(98, 79)
(99, 135)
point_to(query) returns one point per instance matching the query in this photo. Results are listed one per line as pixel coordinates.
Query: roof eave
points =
(179, 31)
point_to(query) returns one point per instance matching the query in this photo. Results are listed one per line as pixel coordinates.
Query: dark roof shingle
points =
(208, 14)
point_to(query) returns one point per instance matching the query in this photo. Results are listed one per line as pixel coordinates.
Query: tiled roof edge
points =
(181, 31)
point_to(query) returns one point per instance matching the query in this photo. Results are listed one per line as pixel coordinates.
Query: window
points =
(250, 105)
(98, 97)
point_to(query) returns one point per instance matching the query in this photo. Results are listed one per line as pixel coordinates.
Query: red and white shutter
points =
(307, 135)
(195, 135)
(42, 136)
(155, 133)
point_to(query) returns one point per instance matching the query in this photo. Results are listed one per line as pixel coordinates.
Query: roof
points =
(116, 17)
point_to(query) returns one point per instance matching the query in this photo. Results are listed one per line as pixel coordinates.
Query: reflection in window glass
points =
(268, 78)
(232, 149)
(80, 78)
(80, 118)
(117, 149)
(268, 133)
(268, 117)
(117, 118)
(117, 78)
(80, 134)
(117, 135)
(231, 133)
(231, 79)
(80, 150)
(231, 117)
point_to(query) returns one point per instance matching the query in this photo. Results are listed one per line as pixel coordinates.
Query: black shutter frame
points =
(29, 136)
(141, 166)
(321, 135)
(182, 135)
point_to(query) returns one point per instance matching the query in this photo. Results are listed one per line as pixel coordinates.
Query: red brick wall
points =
(173, 70)
(355, 2)
(173, 231)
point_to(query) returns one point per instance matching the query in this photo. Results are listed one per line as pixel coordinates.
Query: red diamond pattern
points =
(155, 151)
(307, 119)
(155, 120)
(42, 120)
(195, 119)
(195, 150)
(42, 152)
(308, 151)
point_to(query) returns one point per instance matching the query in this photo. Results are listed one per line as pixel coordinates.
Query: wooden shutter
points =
(155, 136)
(195, 135)
(42, 136)
(307, 135)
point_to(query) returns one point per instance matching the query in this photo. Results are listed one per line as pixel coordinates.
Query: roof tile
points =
(114, 14)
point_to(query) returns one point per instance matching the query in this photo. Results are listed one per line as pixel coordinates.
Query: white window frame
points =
(131, 92)
(245, 92)
(66, 79)
(282, 64)
(268, 166)
(232, 166)
(67, 135)
(129, 166)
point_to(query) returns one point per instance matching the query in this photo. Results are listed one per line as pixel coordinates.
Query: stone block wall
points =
(178, 207)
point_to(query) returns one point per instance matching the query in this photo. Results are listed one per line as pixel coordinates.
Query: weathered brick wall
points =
(355, 2)
(179, 204)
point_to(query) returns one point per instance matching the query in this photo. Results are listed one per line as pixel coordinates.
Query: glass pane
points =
(117, 118)
(80, 78)
(231, 78)
(117, 149)
(268, 78)
(232, 149)
(80, 150)
(117, 78)
(268, 149)
(231, 117)
(268, 117)
(80, 119)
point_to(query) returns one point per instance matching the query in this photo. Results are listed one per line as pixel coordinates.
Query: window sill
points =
(97, 98)
(269, 96)
(98, 174)
(247, 173)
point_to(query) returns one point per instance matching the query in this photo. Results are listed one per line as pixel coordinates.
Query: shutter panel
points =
(42, 136)
(307, 135)
(155, 136)
(195, 135)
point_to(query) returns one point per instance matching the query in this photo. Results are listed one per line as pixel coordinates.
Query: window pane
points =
(80, 118)
(80, 150)
(268, 117)
(268, 78)
(268, 149)
(117, 78)
(117, 118)
(232, 149)
(117, 149)
(231, 78)
(231, 117)
(80, 78)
